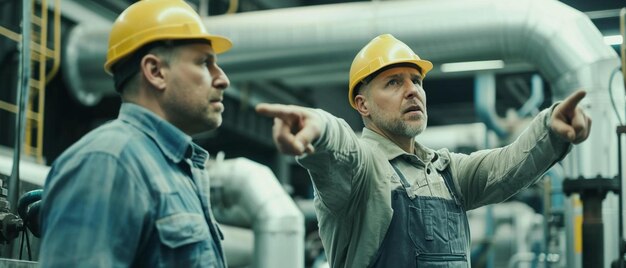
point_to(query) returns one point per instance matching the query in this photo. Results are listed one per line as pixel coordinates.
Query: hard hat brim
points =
(220, 44)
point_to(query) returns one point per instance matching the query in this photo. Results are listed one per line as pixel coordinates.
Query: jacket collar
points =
(175, 144)
(391, 150)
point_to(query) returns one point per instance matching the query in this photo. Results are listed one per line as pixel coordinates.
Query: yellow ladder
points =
(40, 54)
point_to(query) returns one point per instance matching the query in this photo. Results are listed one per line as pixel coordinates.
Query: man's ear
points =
(361, 105)
(152, 70)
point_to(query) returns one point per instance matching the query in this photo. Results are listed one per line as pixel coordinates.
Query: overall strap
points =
(447, 178)
(408, 188)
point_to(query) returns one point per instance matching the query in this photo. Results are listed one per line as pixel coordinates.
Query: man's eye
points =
(393, 82)
(417, 81)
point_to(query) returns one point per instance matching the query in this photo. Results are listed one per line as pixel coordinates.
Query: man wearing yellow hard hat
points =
(134, 192)
(383, 199)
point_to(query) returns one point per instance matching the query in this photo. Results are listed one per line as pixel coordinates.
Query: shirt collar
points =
(391, 150)
(174, 143)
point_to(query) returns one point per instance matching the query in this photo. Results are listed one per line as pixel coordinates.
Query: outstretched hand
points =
(295, 128)
(569, 121)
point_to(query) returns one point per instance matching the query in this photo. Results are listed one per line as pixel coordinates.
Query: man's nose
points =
(220, 80)
(412, 90)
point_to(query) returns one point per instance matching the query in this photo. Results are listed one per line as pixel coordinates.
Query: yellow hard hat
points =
(152, 20)
(382, 51)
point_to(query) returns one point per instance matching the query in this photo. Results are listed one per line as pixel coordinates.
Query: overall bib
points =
(425, 231)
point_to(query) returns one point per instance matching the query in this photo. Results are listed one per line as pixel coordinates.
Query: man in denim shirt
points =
(383, 199)
(134, 192)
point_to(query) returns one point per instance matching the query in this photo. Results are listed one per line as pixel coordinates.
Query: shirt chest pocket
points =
(182, 229)
(184, 233)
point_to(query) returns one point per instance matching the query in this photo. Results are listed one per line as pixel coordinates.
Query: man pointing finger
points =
(383, 199)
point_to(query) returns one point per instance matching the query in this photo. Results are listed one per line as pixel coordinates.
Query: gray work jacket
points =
(353, 180)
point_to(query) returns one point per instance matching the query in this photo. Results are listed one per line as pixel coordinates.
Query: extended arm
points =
(491, 176)
(324, 144)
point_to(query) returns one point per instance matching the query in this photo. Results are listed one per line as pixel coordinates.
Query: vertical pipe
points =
(22, 99)
(531, 106)
(485, 102)
(547, 213)
(203, 8)
(573, 231)
(43, 46)
(620, 220)
(622, 30)
(621, 130)
(253, 195)
(593, 230)
(489, 233)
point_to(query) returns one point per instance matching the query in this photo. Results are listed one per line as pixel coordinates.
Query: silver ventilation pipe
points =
(248, 194)
(558, 40)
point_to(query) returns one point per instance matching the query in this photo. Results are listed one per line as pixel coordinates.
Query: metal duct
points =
(555, 38)
(251, 195)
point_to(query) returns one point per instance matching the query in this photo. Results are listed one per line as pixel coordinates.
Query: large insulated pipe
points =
(251, 195)
(556, 39)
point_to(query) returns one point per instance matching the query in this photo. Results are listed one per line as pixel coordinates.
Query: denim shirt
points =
(131, 193)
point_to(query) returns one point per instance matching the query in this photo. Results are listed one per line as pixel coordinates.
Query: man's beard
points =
(398, 126)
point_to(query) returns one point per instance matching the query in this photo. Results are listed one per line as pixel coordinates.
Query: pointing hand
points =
(569, 121)
(295, 128)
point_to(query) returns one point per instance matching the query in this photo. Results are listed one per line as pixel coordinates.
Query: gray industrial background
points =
(299, 52)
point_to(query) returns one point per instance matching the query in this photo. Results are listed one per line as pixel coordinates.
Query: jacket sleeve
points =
(337, 161)
(494, 175)
(92, 214)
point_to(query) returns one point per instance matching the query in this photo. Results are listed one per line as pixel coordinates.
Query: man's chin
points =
(214, 123)
(417, 129)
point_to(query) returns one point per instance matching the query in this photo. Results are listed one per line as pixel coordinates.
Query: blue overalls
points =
(425, 231)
